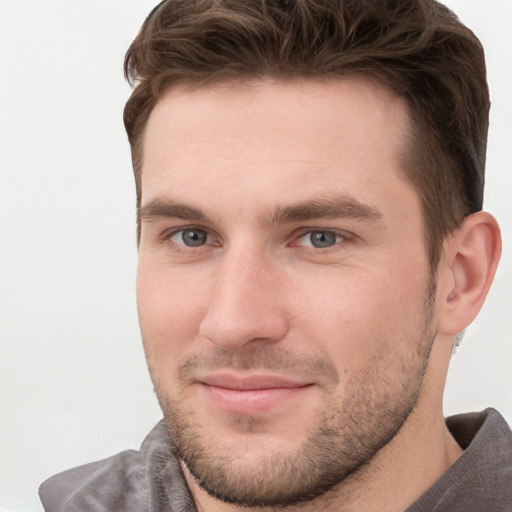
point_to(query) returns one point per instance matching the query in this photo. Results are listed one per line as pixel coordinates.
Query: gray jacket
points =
(151, 480)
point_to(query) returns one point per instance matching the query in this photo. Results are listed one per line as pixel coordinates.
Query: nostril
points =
(236, 331)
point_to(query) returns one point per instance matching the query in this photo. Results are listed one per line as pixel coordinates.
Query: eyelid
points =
(345, 235)
(166, 235)
(169, 233)
(180, 234)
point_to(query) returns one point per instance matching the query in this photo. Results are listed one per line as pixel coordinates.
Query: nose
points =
(247, 303)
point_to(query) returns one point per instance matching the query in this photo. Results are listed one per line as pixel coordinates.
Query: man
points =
(311, 243)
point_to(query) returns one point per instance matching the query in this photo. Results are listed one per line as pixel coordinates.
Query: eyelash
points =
(342, 237)
(168, 235)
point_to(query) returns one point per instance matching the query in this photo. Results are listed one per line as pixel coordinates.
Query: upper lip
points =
(251, 382)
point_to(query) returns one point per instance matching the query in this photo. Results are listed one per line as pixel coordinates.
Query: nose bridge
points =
(245, 303)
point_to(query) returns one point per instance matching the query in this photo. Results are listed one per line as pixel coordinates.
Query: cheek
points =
(353, 314)
(170, 310)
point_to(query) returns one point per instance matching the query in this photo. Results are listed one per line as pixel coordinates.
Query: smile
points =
(251, 395)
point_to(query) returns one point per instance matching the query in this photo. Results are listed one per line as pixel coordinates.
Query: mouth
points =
(251, 394)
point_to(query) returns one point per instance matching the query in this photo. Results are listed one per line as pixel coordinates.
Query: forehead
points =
(298, 135)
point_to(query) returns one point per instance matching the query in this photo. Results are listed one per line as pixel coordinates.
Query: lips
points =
(251, 394)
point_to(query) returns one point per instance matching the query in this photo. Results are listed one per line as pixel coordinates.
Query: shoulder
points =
(116, 484)
(481, 478)
(121, 483)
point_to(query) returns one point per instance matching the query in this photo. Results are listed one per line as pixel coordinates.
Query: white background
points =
(73, 383)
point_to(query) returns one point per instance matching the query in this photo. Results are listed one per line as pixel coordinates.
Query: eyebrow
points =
(166, 208)
(338, 207)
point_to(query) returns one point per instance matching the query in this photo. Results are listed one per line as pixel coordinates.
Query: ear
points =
(466, 272)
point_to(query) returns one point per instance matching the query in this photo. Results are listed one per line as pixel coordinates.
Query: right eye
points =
(190, 237)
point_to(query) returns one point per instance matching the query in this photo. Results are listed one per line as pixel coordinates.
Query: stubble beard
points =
(350, 432)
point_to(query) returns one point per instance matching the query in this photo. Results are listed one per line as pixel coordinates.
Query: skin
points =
(274, 352)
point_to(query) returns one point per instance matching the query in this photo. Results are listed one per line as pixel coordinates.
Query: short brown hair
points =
(417, 48)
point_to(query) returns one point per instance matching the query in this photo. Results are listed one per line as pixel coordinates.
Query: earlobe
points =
(467, 270)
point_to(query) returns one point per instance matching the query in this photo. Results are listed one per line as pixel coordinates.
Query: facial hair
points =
(353, 425)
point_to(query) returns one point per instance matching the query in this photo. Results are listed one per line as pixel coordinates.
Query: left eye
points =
(190, 237)
(320, 239)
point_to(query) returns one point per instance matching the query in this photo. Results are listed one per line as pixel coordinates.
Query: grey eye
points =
(323, 239)
(190, 237)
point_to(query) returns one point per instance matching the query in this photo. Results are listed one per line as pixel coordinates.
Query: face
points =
(283, 283)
